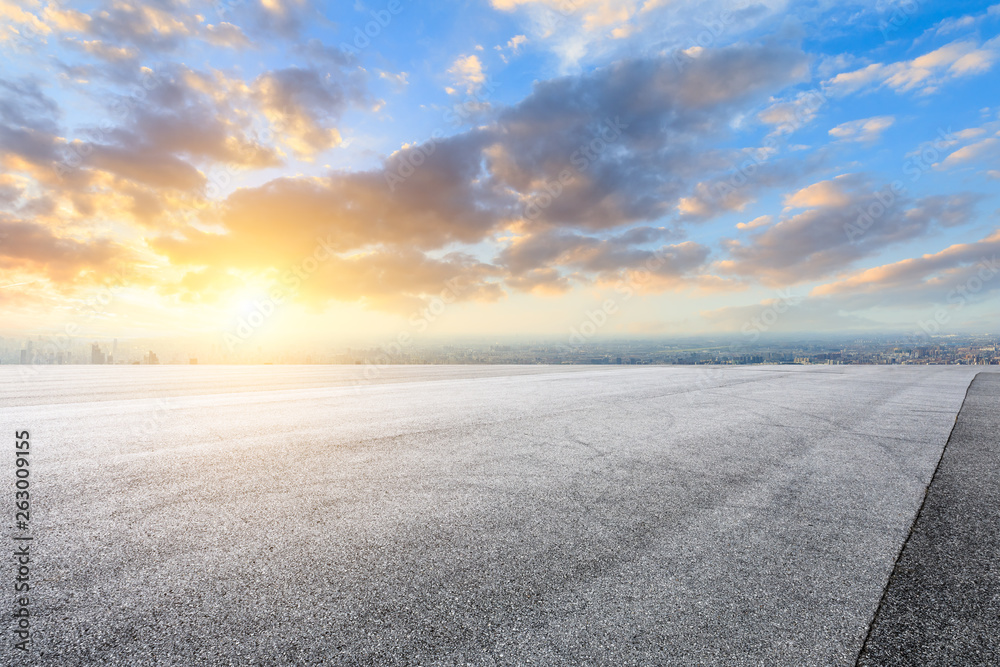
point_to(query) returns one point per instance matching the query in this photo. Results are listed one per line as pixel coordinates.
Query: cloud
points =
(20, 22)
(149, 27)
(654, 121)
(303, 106)
(142, 161)
(867, 130)
(159, 171)
(621, 144)
(921, 280)
(985, 149)
(33, 248)
(951, 210)
(11, 189)
(514, 45)
(952, 24)
(466, 188)
(392, 280)
(403, 280)
(958, 276)
(28, 125)
(399, 79)
(185, 119)
(467, 72)
(192, 114)
(789, 115)
(24, 105)
(582, 33)
(750, 173)
(281, 221)
(846, 219)
(317, 50)
(543, 282)
(825, 194)
(66, 20)
(924, 74)
(104, 51)
(537, 263)
(760, 221)
(226, 35)
(611, 18)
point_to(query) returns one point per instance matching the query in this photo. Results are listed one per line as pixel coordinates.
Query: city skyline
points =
(277, 173)
(725, 350)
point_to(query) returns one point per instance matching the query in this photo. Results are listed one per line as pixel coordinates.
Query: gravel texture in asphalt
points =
(942, 604)
(467, 515)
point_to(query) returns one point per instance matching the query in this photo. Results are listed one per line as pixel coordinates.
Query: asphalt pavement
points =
(942, 604)
(469, 515)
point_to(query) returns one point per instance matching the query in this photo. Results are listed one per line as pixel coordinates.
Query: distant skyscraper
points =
(96, 356)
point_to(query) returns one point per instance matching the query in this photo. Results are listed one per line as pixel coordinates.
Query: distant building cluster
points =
(969, 350)
(43, 350)
(952, 349)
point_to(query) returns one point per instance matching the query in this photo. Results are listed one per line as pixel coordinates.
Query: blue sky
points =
(514, 165)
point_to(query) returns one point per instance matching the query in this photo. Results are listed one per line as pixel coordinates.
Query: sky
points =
(275, 170)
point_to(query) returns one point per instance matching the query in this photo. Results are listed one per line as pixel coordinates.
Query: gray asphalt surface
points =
(942, 605)
(467, 515)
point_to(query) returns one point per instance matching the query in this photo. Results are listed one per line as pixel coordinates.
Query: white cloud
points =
(761, 221)
(401, 79)
(226, 34)
(789, 115)
(924, 74)
(866, 130)
(468, 72)
(972, 152)
(825, 194)
(514, 45)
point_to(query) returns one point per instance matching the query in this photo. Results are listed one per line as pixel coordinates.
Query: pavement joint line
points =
(916, 518)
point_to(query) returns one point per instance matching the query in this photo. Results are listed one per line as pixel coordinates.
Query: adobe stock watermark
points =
(609, 132)
(363, 36)
(805, 107)
(22, 538)
(24, 35)
(929, 155)
(458, 113)
(407, 161)
(958, 298)
(885, 198)
(556, 15)
(156, 411)
(419, 322)
(712, 30)
(223, 8)
(265, 308)
(766, 319)
(899, 13)
(61, 343)
(221, 179)
(79, 151)
(595, 320)
(882, 201)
